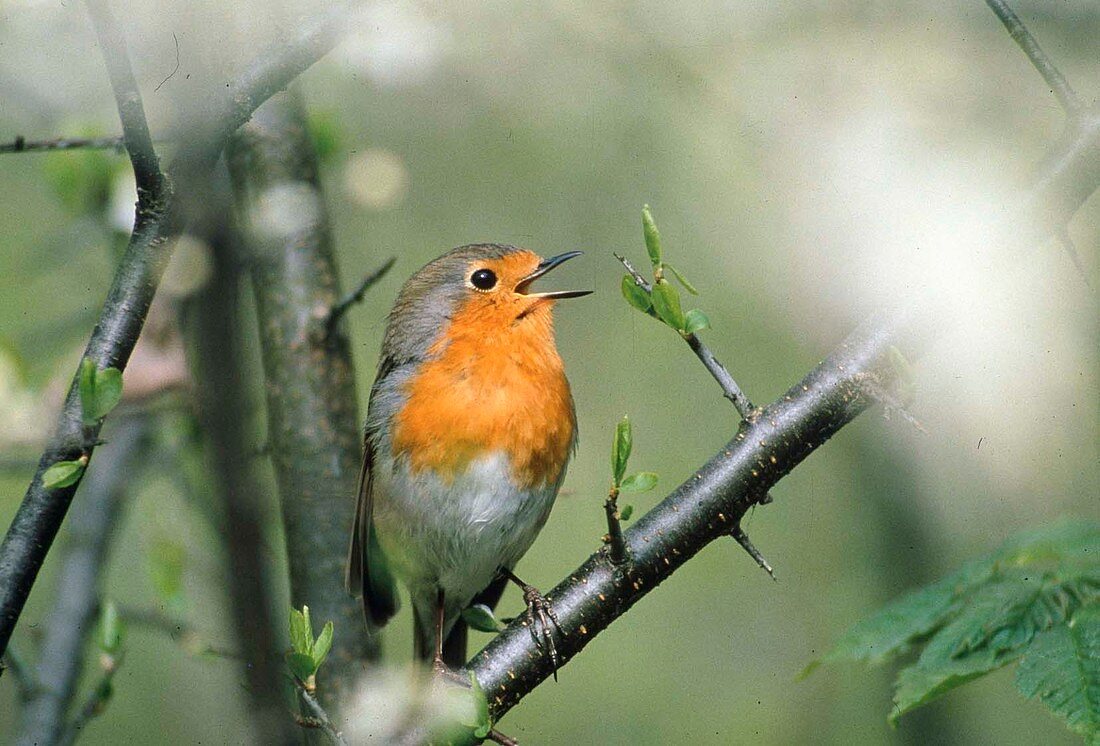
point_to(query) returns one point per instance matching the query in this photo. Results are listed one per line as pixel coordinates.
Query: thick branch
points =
(40, 514)
(245, 507)
(313, 421)
(74, 613)
(704, 508)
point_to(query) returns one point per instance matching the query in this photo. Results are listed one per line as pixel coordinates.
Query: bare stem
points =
(355, 296)
(730, 389)
(317, 717)
(616, 545)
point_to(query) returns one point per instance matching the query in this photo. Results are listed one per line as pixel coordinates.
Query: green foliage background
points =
(549, 127)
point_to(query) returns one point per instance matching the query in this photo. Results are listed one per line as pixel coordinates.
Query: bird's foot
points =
(540, 617)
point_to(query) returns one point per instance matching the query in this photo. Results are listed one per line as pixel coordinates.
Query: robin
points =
(469, 430)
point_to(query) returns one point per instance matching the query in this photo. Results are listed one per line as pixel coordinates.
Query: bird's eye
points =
(484, 279)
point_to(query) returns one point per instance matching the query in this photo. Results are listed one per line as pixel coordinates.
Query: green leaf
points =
(87, 390)
(482, 722)
(108, 391)
(620, 450)
(326, 133)
(999, 620)
(110, 628)
(666, 302)
(1061, 669)
(625, 512)
(892, 630)
(643, 481)
(636, 295)
(63, 474)
(301, 636)
(166, 559)
(696, 321)
(683, 280)
(100, 391)
(652, 237)
(322, 645)
(301, 665)
(480, 617)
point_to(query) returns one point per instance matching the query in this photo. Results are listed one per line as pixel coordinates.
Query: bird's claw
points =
(540, 617)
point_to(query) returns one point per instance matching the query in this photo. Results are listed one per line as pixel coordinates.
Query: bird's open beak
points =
(544, 267)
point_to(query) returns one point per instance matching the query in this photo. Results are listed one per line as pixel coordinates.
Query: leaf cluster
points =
(642, 481)
(306, 653)
(1035, 601)
(662, 299)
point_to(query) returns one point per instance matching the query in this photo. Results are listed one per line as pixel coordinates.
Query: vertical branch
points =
(221, 396)
(78, 592)
(313, 421)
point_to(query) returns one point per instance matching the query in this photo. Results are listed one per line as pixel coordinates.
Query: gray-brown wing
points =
(368, 574)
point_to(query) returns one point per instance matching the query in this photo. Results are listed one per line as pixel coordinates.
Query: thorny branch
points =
(711, 503)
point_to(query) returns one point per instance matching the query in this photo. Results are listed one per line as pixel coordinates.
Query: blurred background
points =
(805, 162)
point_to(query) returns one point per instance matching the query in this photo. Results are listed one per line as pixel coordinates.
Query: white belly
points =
(455, 536)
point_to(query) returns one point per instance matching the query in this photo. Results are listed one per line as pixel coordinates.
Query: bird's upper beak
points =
(545, 266)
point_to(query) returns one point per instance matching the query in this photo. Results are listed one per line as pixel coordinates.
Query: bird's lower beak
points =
(545, 266)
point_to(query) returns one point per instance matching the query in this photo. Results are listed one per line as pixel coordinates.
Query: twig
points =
(317, 717)
(340, 308)
(41, 512)
(22, 145)
(1059, 86)
(181, 632)
(730, 389)
(616, 545)
(151, 181)
(24, 678)
(313, 421)
(1067, 243)
(93, 706)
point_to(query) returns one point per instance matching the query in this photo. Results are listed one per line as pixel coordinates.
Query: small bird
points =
(469, 430)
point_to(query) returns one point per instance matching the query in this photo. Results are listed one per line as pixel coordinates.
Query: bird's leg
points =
(438, 665)
(540, 615)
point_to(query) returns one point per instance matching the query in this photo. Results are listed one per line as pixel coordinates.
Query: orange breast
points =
(496, 385)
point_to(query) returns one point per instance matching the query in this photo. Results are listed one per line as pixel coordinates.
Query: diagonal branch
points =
(151, 186)
(1059, 86)
(705, 507)
(78, 594)
(730, 389)
(784, 433)
(42, 511)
